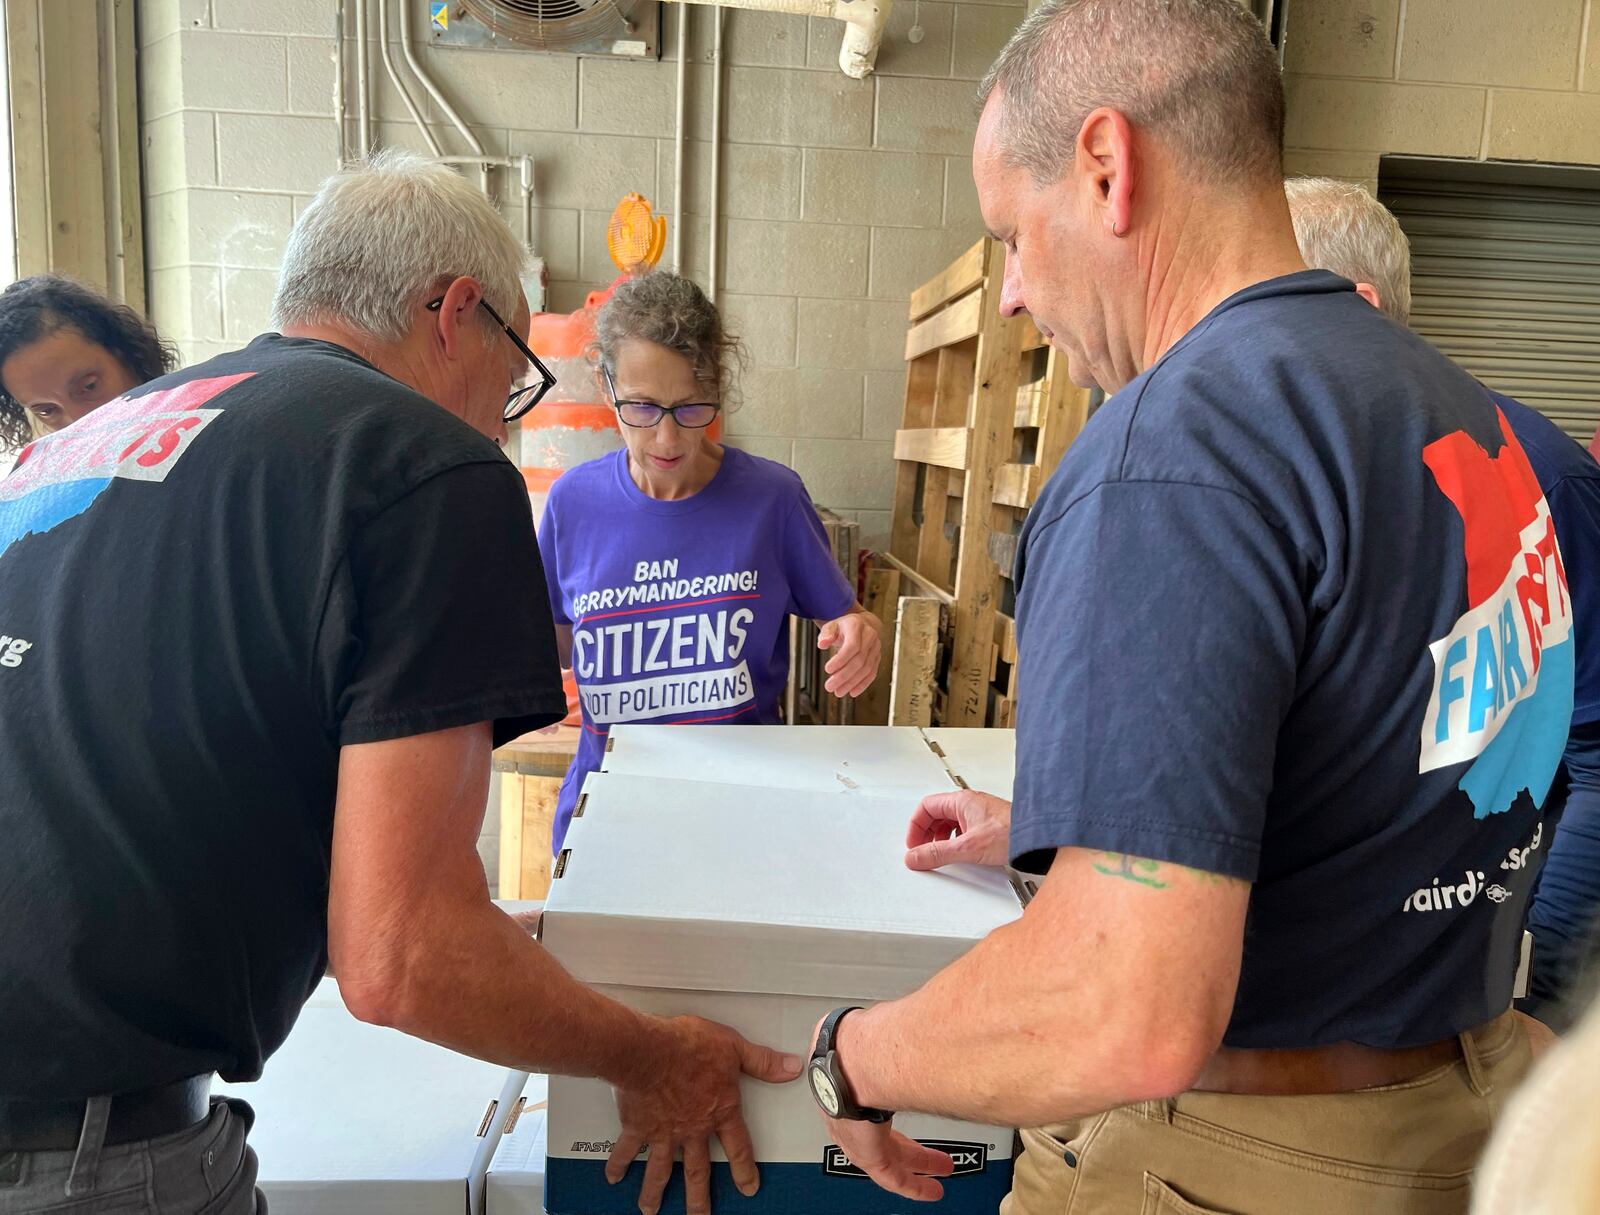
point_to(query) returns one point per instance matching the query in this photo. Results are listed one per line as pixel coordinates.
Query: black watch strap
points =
(826, 1074)
(830, 1025)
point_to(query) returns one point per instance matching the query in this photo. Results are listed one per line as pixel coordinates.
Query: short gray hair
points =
(1341, 227)
(1199, 73)
(382, 234)
(671, 311)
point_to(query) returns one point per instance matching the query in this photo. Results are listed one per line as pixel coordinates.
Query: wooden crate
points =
(914, 632)
(531, 771)
(988, 413)
(807, 700)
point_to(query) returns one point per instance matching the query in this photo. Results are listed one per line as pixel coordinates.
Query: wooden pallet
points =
(807, 700)
(531, 771)
(989, 412)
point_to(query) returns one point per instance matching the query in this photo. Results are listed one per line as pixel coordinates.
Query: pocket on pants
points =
(1045, 1179)
(203, 1168)
(1161, 1199)
(228, 1163)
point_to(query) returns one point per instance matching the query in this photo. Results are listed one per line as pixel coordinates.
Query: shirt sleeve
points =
(818, 589)
(1160, 626)
(550, 557)
(447, 620)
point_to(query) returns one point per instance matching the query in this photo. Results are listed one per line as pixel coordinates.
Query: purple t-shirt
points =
(679, 610)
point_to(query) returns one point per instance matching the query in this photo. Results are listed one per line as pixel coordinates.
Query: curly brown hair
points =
(35, 307)
(673, 312)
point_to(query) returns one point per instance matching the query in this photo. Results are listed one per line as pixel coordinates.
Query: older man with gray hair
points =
(1341, 227)
(1296, 668)
(265, 619)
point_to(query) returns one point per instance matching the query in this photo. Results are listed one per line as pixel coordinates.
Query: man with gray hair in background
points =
(1297, 670)
(269, 617)
(1341, 227)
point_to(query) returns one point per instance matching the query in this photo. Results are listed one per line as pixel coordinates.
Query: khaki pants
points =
(1407, 1147)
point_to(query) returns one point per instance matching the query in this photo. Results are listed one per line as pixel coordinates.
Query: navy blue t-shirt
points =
(1292, 610)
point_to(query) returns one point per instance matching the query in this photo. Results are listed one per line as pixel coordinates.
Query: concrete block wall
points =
(1474, 79)
(839, 196)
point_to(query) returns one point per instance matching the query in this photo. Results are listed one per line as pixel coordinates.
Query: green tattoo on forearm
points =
(1150, 873)
(1121, 865)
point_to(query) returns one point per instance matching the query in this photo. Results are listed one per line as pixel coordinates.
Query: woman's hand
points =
(858, 638)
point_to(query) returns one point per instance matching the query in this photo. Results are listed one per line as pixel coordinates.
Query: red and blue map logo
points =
(139, 438)
(1502, 676)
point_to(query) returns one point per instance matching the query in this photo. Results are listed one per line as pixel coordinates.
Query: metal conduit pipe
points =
(363, 113)
(524, 167)
(400, 85)
(677, 141)
(409, 48)
(864, 24)
(338, 77)
(716, 155)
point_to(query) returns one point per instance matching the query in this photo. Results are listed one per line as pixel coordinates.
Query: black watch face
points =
(824, 1089)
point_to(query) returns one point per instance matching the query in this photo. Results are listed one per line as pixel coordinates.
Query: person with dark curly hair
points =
(65, 349)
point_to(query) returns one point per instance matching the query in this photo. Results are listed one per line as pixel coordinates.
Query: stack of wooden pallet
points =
(988, 413)
(808, 701)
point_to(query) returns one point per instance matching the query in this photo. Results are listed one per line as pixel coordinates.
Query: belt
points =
(1341, 1067)
(46, 1126)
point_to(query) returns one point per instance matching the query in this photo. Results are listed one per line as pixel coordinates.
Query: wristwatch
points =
(826, 1076)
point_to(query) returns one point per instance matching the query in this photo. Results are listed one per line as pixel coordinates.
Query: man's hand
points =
(898, 1164)
(858, 637)
(961, 827)
(693, 1096)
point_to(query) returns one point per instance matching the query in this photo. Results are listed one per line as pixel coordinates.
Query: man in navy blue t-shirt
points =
(1296, 669)
(1343, 228)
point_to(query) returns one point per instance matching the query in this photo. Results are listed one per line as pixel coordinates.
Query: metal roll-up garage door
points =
(1505, 276)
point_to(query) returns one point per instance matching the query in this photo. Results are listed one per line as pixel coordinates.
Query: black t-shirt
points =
(206, 589)
(1292, 610)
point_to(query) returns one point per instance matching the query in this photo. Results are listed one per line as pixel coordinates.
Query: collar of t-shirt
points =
(722, 482)
(1301, 282)
(273, 341)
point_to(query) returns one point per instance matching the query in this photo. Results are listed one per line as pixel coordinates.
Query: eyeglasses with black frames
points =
(529, 388)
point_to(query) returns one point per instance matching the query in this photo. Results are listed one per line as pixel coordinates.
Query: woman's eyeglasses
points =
(529, 388)
(644, 414)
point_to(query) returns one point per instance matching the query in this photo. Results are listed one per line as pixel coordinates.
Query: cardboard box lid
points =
(985, 759)
(826, 759)
(363, 1120)
(704, 887)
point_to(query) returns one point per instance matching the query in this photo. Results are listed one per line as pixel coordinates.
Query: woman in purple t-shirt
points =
(675, 563)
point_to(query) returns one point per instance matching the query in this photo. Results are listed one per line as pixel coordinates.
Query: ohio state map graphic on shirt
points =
(665, 645)
(139, 438)
(1502, 685)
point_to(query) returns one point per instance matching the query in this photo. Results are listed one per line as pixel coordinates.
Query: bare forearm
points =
(996, 1055)
(473, 980)
(1045, 1019)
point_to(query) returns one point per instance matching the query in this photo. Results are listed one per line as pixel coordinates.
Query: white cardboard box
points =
(360, 1120)
(985, 760)
(356, 1119)
(515, 1182)
(762, 909)
(882, 760)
